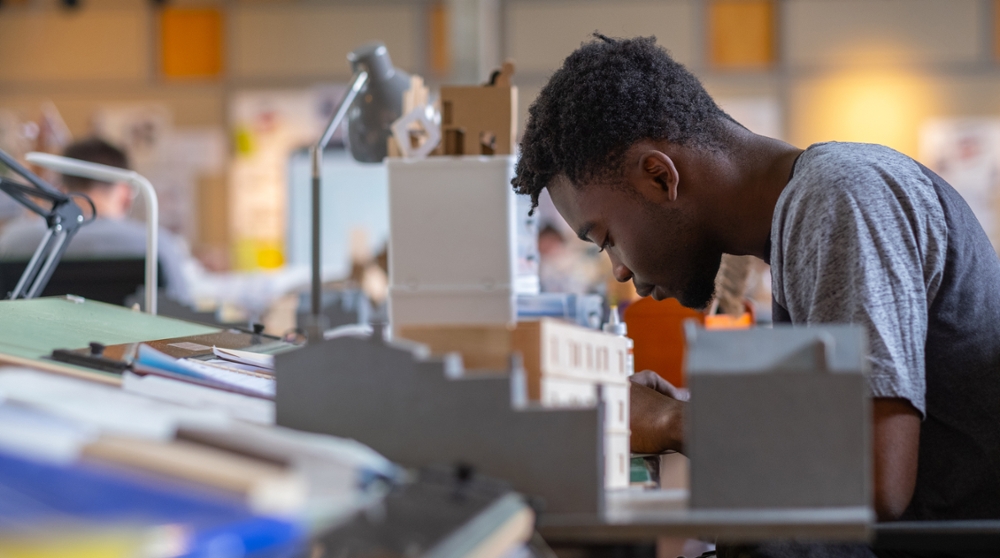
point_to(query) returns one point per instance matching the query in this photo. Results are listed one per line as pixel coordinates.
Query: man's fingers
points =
(653, 380)
(647, 378)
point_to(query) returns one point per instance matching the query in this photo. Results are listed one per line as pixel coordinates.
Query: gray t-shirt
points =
(102, 239)
(863, 234)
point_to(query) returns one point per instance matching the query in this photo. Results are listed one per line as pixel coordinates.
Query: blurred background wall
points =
(192, 87)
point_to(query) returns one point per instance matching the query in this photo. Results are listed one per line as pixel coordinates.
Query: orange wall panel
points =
(741, 34)
(439, 33)
(191, 42)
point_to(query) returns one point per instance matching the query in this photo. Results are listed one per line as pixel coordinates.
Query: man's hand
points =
(657, 414)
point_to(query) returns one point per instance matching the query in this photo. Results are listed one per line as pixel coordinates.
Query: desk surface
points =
(32, 329)
(646, 514)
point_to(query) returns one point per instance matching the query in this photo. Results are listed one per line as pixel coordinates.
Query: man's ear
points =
(659, 171)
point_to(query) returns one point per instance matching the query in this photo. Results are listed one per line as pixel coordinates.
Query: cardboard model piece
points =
(420, 411)
(480, 120)
(778, 418)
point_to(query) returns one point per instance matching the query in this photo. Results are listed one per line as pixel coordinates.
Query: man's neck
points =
(759, 168)
(105, 209)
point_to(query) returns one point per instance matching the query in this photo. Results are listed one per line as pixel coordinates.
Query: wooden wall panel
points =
(312, 40)
(741, 34)
(540, 34)
(67, 45)
(200, 106)
(191, 42)
(864, 32)
(439, 38)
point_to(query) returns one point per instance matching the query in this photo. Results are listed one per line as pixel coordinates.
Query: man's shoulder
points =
(21, 236)
(858, 174)
(23, 225)
(852, 193)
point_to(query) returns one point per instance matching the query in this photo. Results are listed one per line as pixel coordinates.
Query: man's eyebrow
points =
(584, 232)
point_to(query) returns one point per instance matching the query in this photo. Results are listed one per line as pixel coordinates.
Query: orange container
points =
(657, 328)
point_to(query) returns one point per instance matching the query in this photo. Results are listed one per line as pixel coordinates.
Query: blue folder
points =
(47, 498)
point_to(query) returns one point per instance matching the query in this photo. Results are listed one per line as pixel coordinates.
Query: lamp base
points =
(316, 326)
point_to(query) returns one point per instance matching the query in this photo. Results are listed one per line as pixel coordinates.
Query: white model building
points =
(457, 261)
(567, 365)
(455, 255)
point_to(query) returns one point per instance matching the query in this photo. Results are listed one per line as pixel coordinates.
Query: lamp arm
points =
(152, 238)
(315, 327)
(52, 193)
(23, 195)
(106, 173)
(63, 220)
(358, 82)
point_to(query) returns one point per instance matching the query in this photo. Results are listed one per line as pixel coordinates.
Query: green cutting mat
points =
(33, 328)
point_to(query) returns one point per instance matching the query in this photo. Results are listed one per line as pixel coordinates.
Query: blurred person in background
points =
(568, 266)
(113, 234)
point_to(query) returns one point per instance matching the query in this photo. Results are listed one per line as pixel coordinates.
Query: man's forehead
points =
(560, 182)
(580, 206)
(579, 197)
(565, 196)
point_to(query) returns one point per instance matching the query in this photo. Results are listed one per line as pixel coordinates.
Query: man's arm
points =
(896, 439)
(657, 424)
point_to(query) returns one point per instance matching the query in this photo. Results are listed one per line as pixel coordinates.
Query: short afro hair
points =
(609, 94)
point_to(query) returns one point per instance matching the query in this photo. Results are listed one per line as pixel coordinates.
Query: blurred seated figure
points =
(568, 266)
(113, 235)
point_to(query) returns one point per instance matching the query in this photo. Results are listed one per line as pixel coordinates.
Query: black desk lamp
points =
(374, 100)
(64, 218)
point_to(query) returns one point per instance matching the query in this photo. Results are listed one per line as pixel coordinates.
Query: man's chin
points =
(697, 294)
(697, 298)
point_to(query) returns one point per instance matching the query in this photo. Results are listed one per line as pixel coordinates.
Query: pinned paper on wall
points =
(966, 153)
(268, 125)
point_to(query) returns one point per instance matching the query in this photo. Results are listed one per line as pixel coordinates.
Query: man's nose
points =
(622, 274)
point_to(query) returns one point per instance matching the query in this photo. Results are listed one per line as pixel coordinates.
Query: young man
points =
(640, 160)
(113, 234)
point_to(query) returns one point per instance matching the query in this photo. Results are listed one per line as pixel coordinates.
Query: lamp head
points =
(378, 104)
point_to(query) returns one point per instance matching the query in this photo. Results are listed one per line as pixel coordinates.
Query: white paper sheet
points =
(245, 357)
(236, 405)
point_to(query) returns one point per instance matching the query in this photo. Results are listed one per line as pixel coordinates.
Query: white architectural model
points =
(454, 250)
(458, 258)
(567, 366)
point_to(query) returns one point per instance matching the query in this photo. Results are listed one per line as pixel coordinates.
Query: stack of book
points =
(87, 464)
